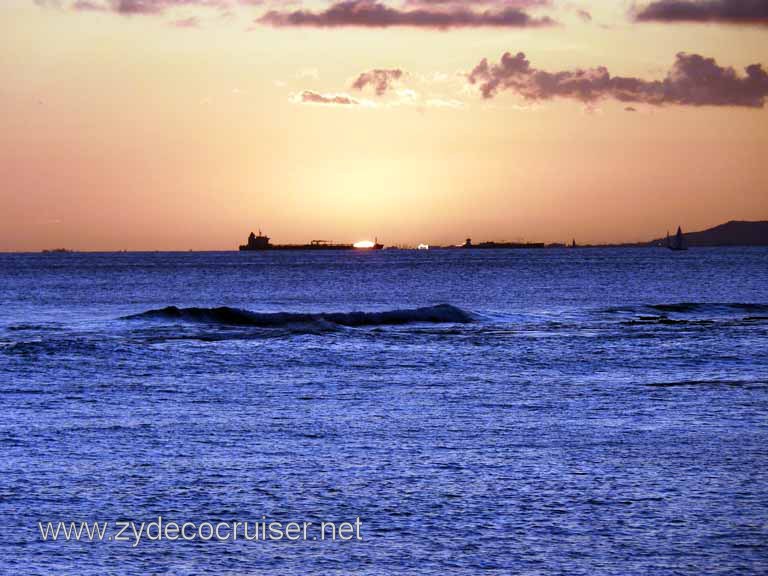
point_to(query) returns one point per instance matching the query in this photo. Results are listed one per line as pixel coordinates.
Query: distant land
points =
(733, 233)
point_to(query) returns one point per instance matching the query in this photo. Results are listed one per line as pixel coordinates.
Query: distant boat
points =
(678, 242)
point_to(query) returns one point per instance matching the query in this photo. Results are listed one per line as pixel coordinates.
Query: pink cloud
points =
(692, 81)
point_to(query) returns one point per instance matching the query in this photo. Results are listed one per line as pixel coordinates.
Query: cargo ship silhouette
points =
(261, 242)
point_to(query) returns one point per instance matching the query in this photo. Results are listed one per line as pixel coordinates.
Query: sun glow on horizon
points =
(364, 244)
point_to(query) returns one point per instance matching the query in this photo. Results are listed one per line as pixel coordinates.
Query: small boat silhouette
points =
(678, 242)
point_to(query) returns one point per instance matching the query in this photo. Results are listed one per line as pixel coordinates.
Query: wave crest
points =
(683, 307)
(440, 314)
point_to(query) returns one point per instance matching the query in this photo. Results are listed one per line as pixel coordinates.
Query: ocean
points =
(563, 411)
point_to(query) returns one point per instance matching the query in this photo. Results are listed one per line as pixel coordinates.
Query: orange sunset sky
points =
(185, 124)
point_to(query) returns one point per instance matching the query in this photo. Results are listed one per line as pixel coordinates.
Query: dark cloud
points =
(129, 7)
(472, 3)
(149, 7)
(746, 12)
(310, 97)
(693, 81)
(380, 80)
(374, 14)
(186, 23)
(87, 5)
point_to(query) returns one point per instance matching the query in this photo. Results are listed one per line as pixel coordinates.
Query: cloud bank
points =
(374, 14)
(387, 86)
(693, 81)
(744, 12)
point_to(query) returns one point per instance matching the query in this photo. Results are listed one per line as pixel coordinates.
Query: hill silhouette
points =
(733, 233)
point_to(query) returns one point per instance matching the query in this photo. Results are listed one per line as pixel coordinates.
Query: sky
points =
(185, 124)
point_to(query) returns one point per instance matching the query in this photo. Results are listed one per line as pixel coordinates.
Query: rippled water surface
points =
(499, 412)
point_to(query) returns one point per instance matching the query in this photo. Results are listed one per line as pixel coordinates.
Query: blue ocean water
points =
(588, 411)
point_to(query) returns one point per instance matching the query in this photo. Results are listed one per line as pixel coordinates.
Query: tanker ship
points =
(261, 242)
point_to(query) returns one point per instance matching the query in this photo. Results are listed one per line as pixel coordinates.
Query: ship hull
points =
(261, 243)
(312, 247)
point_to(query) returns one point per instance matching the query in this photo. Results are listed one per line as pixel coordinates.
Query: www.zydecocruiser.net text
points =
(135, 533)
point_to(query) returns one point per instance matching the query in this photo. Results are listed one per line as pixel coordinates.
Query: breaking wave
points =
(693, 313)
(440, 314)
(683, 307)
(707, 383)
(716, 308)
